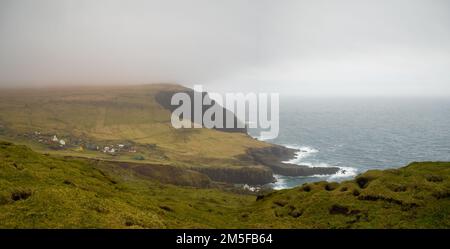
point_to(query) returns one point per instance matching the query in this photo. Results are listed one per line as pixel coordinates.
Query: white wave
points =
(317, 165)
(302, 152)
(344, 172)
(280, 183)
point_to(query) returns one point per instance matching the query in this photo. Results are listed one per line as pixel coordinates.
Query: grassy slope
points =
(116, 114)
(56, 192)
(46, 191)
(416, 196)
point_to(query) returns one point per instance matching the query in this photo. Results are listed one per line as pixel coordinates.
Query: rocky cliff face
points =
(258, 168)
(201, 177)
(162, 173)
(253, 175)
(164, 99)
(274, 156)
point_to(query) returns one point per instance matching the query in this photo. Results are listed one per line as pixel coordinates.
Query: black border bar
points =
(281, 238)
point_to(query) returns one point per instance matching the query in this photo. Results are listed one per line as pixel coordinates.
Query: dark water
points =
(361, 134)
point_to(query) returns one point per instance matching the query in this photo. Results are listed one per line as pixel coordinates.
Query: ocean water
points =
(358, 134)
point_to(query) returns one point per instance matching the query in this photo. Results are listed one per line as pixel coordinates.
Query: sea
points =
(360, 134)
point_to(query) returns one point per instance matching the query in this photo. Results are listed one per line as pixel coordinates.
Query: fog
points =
(295, 47)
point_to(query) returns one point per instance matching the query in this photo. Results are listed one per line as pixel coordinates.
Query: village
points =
(60, 142)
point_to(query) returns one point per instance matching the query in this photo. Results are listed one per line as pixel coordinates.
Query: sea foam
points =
(303, 152)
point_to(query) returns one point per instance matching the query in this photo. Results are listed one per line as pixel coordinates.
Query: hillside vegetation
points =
(111, 115)
(47, 191)
(52, 192)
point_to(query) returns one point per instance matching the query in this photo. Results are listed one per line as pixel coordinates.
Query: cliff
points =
(253, 175)
(164, 99)
(274, 156)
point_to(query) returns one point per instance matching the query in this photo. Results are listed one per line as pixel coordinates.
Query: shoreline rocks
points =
(274, 156)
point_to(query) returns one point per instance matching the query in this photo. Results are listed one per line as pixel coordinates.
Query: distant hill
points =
(115, 113)
(44, 191)
(120, 123)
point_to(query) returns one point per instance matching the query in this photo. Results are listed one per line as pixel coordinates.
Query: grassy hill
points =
(123, 124)
(415, 196)
(105, 116)
(48, 191)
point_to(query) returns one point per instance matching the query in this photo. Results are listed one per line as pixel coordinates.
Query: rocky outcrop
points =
(198, 176)
(274, 156)
(165, 173)
(253, 175)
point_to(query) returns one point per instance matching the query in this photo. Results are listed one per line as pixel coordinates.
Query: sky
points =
(295, 47)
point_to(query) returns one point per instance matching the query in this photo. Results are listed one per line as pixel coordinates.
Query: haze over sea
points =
(359, 134)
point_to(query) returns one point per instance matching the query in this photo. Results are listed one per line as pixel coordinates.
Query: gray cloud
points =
(321, 47)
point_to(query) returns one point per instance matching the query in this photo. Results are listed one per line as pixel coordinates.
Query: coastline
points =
(290, 170)
(264, 164)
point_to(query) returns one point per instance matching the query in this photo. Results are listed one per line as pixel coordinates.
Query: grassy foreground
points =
(45, 191)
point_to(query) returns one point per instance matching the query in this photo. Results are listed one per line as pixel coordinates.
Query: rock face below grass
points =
(274, 156)
(169, 174)
(253, 175)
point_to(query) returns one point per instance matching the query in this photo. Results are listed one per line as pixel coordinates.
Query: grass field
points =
(44, 191)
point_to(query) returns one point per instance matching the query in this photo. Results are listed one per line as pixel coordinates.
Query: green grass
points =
(44, 191)
(416, 196)
(50, 192)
